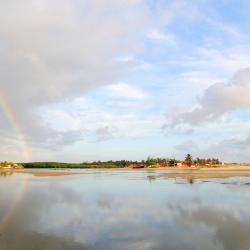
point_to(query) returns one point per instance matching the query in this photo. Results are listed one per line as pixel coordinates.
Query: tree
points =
(189, 159)
(150, 161)
(172, 162)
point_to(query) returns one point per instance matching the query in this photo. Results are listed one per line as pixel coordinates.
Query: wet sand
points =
(39, 173)
(203, 175)
(219, 168)
(195, 174)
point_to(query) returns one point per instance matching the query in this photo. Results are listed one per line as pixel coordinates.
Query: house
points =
(181, 164)
(7, 167)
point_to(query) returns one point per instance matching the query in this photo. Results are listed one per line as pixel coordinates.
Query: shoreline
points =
(38, 172)
(195, 174)
(233, 168)
(205, 175)
(200, 168)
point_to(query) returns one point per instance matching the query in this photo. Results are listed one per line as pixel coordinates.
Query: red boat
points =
(136, 166)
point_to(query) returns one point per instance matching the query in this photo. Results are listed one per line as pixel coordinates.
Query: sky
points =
(85, 80)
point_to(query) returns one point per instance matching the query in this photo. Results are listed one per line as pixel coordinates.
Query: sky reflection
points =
(114, 211)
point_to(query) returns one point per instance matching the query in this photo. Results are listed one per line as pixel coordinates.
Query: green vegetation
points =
(189, 160)
(172, 162)
(52, 165)
(149, 162)
(98, 164)
(212, 161)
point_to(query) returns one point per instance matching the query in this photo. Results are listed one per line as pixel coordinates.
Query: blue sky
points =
(107, 79)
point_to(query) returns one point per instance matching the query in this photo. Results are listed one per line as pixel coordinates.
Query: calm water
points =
(104, 209)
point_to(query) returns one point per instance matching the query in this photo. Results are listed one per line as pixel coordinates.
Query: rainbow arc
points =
(13, 121)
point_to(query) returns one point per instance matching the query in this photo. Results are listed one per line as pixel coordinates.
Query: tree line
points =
(171, 162)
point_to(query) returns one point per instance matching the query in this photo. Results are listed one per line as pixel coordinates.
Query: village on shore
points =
(189, 161)
(10, 165)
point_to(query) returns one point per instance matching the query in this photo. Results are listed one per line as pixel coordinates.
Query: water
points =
(107, 209)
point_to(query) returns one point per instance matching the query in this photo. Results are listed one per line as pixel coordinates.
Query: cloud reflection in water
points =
(118, 212)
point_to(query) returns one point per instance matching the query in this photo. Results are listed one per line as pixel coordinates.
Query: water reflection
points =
(115, 211)
(5, 173)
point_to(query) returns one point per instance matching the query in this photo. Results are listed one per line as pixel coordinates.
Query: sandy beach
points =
(219, 168)
(39, 172)
(240, 170)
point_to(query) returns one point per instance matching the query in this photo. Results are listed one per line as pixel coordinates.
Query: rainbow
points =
(13, 121)
(6, 220)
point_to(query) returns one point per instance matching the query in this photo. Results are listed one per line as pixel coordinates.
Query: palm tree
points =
(189, 159)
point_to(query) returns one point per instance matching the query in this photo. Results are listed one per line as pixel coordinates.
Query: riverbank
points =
(217, 168)
(37, 172)
(196, 173)
(208, 175)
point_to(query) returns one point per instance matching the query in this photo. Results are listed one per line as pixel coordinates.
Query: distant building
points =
(7, 167)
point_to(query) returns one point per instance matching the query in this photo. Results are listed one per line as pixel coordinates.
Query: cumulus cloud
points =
(103, 133)
(57, 50)
(217, 100)
(229, 149)
(233, 149)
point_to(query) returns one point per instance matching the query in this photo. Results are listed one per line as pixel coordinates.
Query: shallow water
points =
(112, 209)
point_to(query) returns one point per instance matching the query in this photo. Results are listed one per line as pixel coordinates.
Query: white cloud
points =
(59, 50)
(52, 51)
(217, 100)
(125, 90)
(93, 120)
(221, 62)
(103, 133)
(62, 121)
(164, 37)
